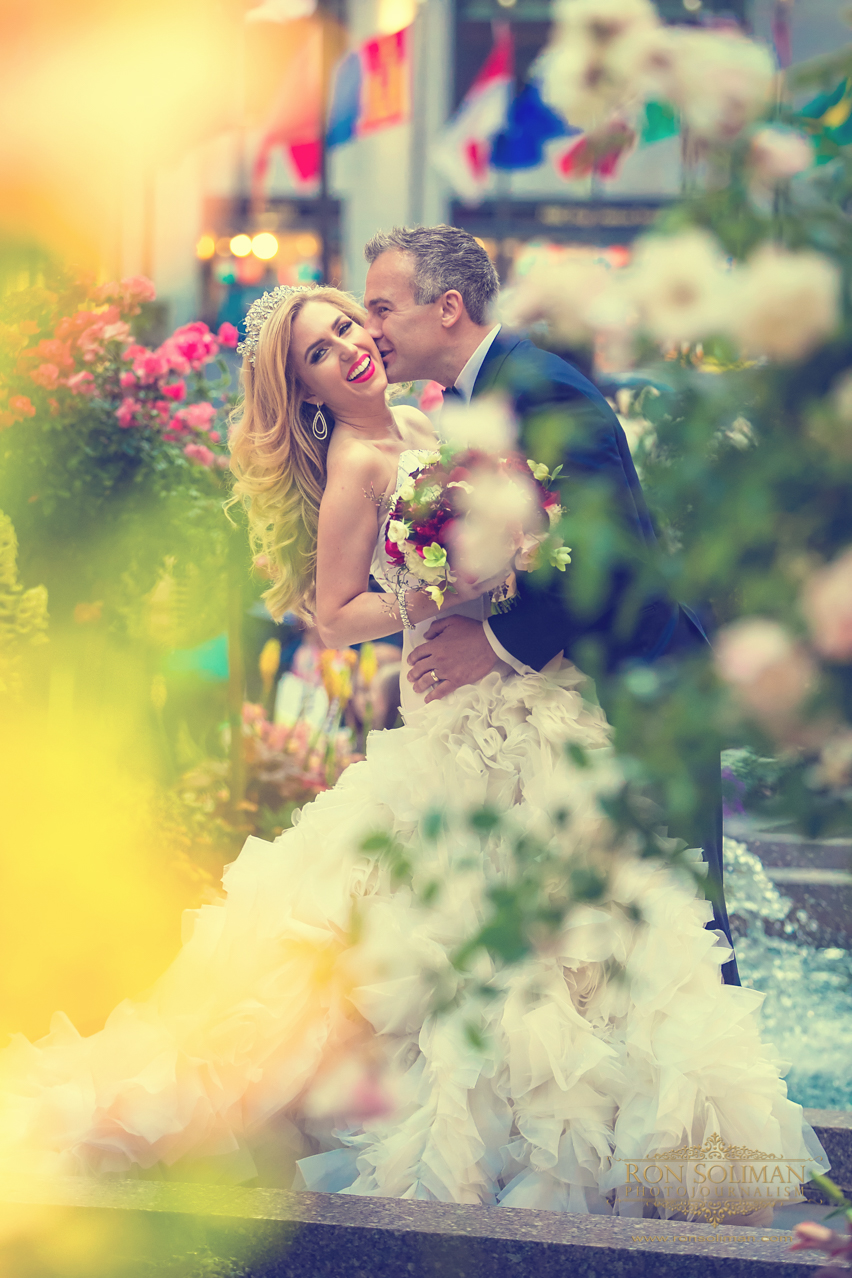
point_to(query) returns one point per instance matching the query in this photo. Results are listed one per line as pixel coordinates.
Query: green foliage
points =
(23, 613)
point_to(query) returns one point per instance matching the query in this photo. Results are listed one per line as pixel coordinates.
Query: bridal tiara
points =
(260, 311)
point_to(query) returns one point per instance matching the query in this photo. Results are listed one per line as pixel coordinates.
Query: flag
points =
(831, 113)
(781, 36)
(529, 124)
(385, 81)
(345, 108)
(294, 124)
(463, 150)
(659, 121)
(597, 153)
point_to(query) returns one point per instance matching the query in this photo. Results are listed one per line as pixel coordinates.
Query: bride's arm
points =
(347, 611)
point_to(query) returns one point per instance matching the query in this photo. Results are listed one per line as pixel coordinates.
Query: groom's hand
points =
(457, 650)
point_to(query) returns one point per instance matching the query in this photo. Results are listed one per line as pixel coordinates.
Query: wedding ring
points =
(435, 678)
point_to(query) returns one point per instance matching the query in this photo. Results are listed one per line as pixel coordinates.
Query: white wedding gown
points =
(526, 1097)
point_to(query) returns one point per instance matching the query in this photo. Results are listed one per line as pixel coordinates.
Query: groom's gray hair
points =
(444, 257)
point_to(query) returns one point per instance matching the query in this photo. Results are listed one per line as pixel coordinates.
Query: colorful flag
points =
(597, 153)
(660, 120)
(294, 124)
(463, 151)
(386, 81)
(831, 113)
(781, 35)
(345, 108)
(529, 124)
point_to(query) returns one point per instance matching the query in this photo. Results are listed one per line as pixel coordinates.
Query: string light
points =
(205, 248)
(240, 246)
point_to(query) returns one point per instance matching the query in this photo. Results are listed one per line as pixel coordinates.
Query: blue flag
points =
(530, 123)
(345, 100)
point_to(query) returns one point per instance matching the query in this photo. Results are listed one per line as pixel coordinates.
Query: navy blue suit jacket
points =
(543, 622)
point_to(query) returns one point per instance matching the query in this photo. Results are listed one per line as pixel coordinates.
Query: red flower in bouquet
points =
(489, 513)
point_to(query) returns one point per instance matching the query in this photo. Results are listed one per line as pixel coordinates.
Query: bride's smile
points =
(337, 361)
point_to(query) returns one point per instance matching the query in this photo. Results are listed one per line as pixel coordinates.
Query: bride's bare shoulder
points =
(354, 461)
(414, 424)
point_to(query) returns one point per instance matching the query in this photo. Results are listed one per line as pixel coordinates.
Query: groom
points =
(429, 294)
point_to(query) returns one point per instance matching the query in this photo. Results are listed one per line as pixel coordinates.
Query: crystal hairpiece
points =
(260, 311)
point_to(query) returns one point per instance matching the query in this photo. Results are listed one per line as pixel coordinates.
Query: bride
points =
(614, 1040)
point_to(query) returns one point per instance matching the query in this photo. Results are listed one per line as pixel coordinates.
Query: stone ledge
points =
(273, 1234)
(834, 1130)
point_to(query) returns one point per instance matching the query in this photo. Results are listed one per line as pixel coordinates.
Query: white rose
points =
(785, 303)
(405, 492)
(398, 531)
(680, 285)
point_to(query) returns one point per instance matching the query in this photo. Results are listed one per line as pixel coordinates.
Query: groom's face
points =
(408, 336)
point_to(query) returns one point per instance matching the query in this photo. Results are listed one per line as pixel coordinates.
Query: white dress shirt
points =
(466, 379)
(464, 384)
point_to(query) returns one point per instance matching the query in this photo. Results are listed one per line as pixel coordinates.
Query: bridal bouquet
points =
(465, 510)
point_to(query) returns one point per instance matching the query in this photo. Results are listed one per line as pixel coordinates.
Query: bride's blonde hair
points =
(278, 463)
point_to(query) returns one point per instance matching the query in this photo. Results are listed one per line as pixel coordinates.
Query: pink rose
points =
(129, 293)
(135, 351)
(150, 367)
(221, 462)
(175, 390)
(199, 416)
(127, 379)
(769, 673)
(811, 1236)
(81, 383)
(827, 605)
(193, 344)
(118, 332)
(22, 406)
(46, 375)
(126, 412)
(198, 453)
(228, 335)
(215, 436)
(432, 396)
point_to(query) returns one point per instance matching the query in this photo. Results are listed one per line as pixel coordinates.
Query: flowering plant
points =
(286, 767)
(113, 450)
(488, 514)
(78, 348)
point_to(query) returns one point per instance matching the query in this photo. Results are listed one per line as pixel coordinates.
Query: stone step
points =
(133, 1228)
(785, 848)
(816, 874)
(834, 1132)
(124, 1229)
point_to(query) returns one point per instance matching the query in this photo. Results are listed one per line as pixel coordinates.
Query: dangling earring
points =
(319, 425)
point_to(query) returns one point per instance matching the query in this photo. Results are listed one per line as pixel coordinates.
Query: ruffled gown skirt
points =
(525, 1084)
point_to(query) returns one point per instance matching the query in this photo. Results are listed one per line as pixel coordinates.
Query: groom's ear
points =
(451, 307)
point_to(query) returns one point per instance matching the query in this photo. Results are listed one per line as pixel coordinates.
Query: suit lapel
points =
(498, 352)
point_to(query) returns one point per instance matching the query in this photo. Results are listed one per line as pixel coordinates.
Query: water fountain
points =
(807, 1013)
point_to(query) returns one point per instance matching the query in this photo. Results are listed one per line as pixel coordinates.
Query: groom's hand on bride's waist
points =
(457, 650)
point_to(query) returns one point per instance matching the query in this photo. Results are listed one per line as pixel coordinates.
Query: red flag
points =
(463, 150)
(294, 124)
(597, 153)
(386, 81)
